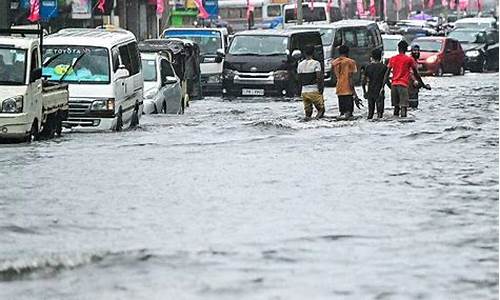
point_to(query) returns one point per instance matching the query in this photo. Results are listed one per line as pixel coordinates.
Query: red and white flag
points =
(430, 4)
(444, 3)
(373, 8)
(203, 14)
(34, 15)
(160, 7)
(100, 5)
(250, 9)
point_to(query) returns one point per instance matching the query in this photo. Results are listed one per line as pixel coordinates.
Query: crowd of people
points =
(404, 83)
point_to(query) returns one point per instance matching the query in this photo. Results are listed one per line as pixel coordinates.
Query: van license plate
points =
(252, 92)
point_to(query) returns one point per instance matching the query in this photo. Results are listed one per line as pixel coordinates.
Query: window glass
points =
(362, 37)
(125, 58)
(259, 45)
(135, 58)
(149, 67)
(12, 66)
(338, 38)
(34, 59)
(115, 54)
(257, 12)
(350, 37)
(274, 10)
(166, 69)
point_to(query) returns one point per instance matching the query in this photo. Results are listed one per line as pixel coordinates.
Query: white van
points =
(103, 70)
(313, 13)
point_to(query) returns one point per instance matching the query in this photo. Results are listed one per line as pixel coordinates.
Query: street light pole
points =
(5, 14)
(300, 14)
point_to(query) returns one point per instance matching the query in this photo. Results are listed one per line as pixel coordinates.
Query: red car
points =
(439, 55)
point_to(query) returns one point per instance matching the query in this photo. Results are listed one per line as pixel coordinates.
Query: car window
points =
(274, 10)
(125, 58)
(338, 38)
(135, 58)
(115, 55)
(350, 37)
(362, 38)
(34, 60)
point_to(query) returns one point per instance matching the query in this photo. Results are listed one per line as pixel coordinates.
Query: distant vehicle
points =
(361, 36)
(29, 106)
(412, 29)
(104, 72)
(212, 43)
(162, 87)
(266, 14)
(480, 46)
(476, 23)
(390, 42)
(313, 13)
(440, 55)
(185, 58)
(264, 62)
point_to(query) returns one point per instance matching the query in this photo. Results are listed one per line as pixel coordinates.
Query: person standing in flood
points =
(374, 77)
(312, 83)
(414, 86)
(344, 69)
(402, 67)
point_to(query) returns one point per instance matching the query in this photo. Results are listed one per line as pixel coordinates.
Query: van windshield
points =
(263, 45)
(12, 66)
(90, 64)
(317, 14)
(209, 41)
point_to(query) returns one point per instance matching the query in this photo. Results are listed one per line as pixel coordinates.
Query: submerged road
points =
(244, 200)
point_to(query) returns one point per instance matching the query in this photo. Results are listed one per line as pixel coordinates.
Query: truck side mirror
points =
(220, 56)
(122, 72)
(35, 74)
(296, 54)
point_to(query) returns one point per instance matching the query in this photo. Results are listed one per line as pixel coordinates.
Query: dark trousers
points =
(377, 102)
(346, 105)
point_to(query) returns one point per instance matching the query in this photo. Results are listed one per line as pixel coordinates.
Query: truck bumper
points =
(90, 124)
(13, 126)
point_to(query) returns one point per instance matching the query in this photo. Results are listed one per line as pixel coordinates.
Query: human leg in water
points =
(404, 111)
(371, 107)
(396, 111)
(380, 106)
(308, 105)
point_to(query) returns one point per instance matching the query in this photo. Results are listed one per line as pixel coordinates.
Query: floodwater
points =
(244, 200)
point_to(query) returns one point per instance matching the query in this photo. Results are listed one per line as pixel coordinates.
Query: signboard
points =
(212, 7)
(49, 10)
(81, 9)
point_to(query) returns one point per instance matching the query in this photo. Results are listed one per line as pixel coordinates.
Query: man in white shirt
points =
(311, 80)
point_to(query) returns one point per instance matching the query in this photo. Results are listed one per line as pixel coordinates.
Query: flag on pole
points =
(250, 9)
(100, 5)
(329, 5)
(311, 5)
(444, 3)
(360, 7)
(203, 14)
(160, 7)
(34, 14)
(430, 4)
(373, 8)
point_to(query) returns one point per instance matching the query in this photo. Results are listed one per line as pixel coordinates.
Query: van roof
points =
(17, 42)
(476, 20)
(220, 29)
(275, 32)
(318, 4)
(338, 24)
(89, 37)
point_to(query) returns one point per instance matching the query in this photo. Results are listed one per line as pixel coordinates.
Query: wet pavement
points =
(244, 200)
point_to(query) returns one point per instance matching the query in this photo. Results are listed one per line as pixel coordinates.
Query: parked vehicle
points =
(103, 70)
(439, 55)
(480, 46)
(212, 43)
(185, 58)
(313, 13)
(390, 42)
(266, 14)
(412, 29)
(264, 62)
(162, 87)
(29, 106)
(360, 35)
(476, 23)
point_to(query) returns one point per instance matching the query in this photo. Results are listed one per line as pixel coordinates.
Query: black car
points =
(264, 62)
(480, 46)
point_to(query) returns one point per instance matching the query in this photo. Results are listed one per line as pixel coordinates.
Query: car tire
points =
(461, 71)
(119, 122)
(440, 72)
(34, 134)
(49, 128)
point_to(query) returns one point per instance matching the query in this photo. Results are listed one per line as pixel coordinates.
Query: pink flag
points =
(311, 4)
(251, 9)
(462, 4)
(360, 7)
(328, 5)
(100, 5)
(479, 5)
(452, 4)
(160, 7)
(430, 4)
(373, 8)
(203, 14)
(444, 3)
(34, 11)
(410, 5)
(397, 4)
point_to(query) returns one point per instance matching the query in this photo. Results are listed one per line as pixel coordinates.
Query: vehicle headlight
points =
(150, 94)
(281, 75)
(229, 74)
(103, 104)
(432, 59)
(13, 105)
(214, 78)
(472, 53)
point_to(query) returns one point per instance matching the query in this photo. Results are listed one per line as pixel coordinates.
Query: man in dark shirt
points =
(374, 76)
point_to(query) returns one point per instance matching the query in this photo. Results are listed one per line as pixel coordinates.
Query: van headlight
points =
(432, 59)
(103, 104)
(472, 53)
(12, 105)
(281, 75)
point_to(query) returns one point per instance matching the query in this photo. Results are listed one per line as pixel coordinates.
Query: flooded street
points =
(244, 200)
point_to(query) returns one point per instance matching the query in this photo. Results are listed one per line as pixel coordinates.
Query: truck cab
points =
(28, 106)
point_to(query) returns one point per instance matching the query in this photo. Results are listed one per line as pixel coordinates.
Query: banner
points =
(49, 10)
(34, 14)
(212, 8)
(444, 3)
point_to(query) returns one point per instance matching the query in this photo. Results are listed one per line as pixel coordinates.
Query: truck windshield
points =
(149, 69)
(209, 41)
(317, 14)
(91, 68)
(264, 45)
(12, 66)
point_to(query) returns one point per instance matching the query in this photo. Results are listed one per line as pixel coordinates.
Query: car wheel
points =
(164, 107)
(119, 122)
(461, 71)
(34, 134)
(439, 72)
(49, 129)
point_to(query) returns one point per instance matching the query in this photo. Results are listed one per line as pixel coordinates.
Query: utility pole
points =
(300, 15)
(382, 10)
(5, 14)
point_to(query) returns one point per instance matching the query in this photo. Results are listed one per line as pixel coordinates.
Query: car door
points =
(448, 60)
(171, 87)
(35, 88)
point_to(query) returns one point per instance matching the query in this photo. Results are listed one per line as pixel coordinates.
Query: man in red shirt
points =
(401, 66)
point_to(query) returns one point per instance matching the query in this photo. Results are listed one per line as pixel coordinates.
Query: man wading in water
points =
(311, 80)
(415, 86)
(374, 76)
(344, 69)
(401, 66)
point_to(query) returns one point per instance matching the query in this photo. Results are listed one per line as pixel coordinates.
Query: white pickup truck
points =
(30, 107)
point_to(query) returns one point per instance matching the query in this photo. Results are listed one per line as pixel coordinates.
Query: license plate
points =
(252, 92)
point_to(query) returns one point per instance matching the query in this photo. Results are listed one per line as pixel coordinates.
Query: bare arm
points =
(419, 79)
